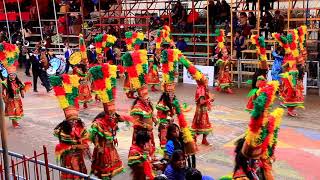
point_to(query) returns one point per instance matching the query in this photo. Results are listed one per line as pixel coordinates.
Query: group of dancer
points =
(254, 152)
(139, 72)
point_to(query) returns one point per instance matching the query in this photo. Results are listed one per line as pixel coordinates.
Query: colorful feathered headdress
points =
(302, 33)
(190, 146)
(169, 61)
(134, 40)
(191, 68)
(9, 54)
(104, 79)
(82, 47)
(274, 122)
(220, 38)
(289, 43)
(293, 40)
(259, 129)
(283, 42)
(136, 65)
(261, 50)
(103, 41)
(163, 35)
(66, 90)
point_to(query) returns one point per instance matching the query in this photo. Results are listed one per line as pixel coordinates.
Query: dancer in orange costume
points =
(224, 78)
(201, 123)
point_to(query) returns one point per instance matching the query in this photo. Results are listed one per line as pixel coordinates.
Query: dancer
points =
(165, 113)
(201, 123)
(258, 145)
(127, 87)
(289, 93)
(73, 137)
(85, 96)
(153, 75)
(135, 64)
(13, 92)
(170, 59)
(138, 160)
(13, 88)
(106, 162)
(224, 61)
(278, 55)
(262, 70)
(80, 69)
(301, 60)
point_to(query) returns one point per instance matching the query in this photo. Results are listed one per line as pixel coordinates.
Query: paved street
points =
(297, 155)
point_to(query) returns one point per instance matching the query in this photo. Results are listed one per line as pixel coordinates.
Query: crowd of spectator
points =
(181, 18)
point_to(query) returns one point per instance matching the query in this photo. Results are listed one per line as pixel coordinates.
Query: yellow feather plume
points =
(187, 137)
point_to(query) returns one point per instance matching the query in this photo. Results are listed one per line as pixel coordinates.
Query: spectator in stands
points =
(212, 14)
(176, 170)
(239, 43)
(245, 27)
(62, 25)
(76, 25)
(225, 11)
(180, 16)
(278, 22)
(252, 20)
(194, 174)
(235, 20)
(218, 8)
(181, 44)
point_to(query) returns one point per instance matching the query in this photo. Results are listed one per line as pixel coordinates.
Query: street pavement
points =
(297, 154)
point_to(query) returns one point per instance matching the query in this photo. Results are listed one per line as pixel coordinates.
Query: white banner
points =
(269, 78)
(208, 71)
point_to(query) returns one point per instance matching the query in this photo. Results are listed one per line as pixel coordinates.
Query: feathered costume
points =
(106, 162)
(224, 81)
(136, 66)
(261, 136)
(290, 94)
(153, 74)
(203, 98)
(73, 137)
(80, 69)
(262, 70)
(301, 60)
(133, 41)
(13, 88)
(165, 108)
(169, 60)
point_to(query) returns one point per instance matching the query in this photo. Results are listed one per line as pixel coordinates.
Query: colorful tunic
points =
(72, 147)
(84, 91)
(224, 79)
(84, 88)
(13, 108)
(126, 84)
(153, 75)
(106, 162)
(143, 120)
(164, 115)
(290, 93)
(201, 123)
(140, 164)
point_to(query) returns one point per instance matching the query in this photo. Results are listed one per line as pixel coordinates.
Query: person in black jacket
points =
(37, 71)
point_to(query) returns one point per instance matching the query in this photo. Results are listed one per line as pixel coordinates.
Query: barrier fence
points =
(36, 167)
